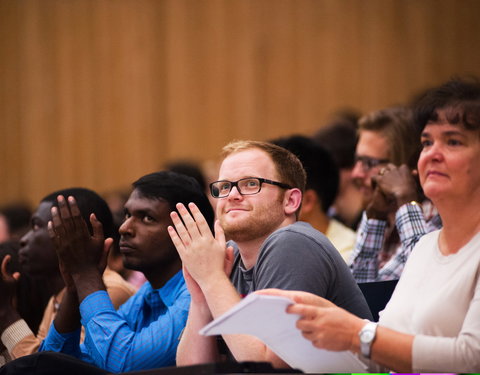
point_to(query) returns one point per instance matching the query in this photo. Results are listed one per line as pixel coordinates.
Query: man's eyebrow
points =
(141, 212)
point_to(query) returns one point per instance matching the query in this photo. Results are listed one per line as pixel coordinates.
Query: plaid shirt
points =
(411, 223)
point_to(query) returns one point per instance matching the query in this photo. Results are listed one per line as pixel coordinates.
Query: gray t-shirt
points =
(298, 257)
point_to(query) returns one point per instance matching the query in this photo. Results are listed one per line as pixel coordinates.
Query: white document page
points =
(265, 317)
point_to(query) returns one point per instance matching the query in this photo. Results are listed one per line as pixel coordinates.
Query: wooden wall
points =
(98, 92)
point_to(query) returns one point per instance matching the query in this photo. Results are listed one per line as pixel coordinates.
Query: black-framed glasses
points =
(245, 186)
(368, 163)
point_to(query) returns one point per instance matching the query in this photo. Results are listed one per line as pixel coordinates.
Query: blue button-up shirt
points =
(143, 333)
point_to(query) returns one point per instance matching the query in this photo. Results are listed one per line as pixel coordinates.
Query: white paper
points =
(265, 317)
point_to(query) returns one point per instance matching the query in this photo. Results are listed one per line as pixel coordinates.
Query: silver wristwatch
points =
(367, 336)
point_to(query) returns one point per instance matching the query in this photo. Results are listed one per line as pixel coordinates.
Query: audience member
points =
(259, 194)
(38, 260)
(9, 272)
(320, 191)
(27, 292)
(116, 202)
(393, 221)
(431, 322)
(144, 332)
(14, 221)
(339, 137)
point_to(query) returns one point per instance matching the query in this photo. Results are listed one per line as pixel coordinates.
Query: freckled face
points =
(248, 217)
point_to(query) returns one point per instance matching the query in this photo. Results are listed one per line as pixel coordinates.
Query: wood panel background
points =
(98, 92)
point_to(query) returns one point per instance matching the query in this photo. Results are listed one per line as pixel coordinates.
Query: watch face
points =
(367, 336)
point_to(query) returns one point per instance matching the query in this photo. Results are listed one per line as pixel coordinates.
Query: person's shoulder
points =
(431, 237)
(426, 245)
(336, 228)
(302, 237)
(299, 230)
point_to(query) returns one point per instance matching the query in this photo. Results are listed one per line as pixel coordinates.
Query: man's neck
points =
(319, 220)
(158, 276)
(249, 250)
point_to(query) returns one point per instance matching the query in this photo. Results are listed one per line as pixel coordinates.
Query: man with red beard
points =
(259, 194)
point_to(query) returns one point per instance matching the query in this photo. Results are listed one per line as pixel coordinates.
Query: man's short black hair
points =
(189, 168)
(175, 188)
(322, 171)
(88, 202)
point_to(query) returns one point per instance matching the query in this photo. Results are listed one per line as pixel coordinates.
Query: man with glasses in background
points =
(393, 221)
(259, 194)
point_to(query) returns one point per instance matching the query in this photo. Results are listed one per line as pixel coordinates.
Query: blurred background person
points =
(393, 220)
(14, 221)
(339, 137)
(320, 191)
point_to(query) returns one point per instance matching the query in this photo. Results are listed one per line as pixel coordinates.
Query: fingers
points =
(276, 292)
(107, 246)
(96, 226)
(177, 241)
(219, 233)
(229, 259)
(187, 226)
(65, 216)
(180, 233)
(77, 219)
(57, 225)
(190, 224)
(53, 235)
(200, 221)
(307, 312)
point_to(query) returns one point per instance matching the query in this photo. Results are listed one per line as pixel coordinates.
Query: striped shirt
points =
(143, 333)
(411, 225)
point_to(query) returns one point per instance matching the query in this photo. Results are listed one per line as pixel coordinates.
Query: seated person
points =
(320, 191)
(259, 193)
(39, 260)
(431, 322)
(339, 137)
(393, 220)
(144, 332)
(9, 268)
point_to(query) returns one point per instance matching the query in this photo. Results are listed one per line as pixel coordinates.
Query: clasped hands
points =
(393, 187)
(79, 252)
(204, 256)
